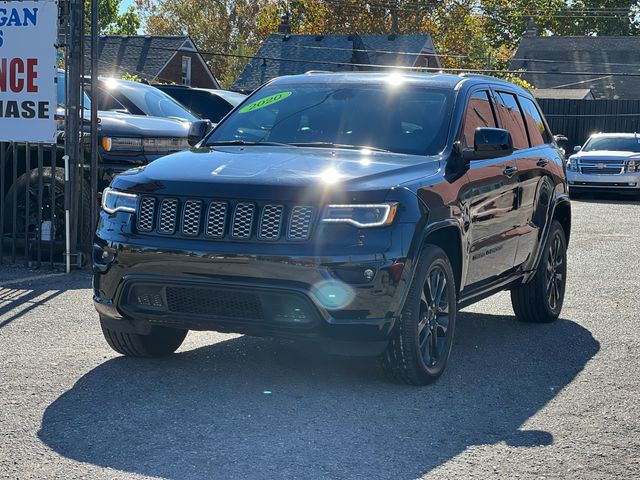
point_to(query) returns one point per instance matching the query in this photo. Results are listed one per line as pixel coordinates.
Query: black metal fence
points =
(34, 193)
(578, 119)
(34, 197)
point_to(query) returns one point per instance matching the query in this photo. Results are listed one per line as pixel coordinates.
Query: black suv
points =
(361, 209)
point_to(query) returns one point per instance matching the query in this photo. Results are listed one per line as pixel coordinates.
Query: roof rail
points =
(477, 75)
(311, 72)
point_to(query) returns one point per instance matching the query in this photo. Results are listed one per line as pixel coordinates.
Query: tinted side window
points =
(210, 106)
(183, 97)
(537, 131)
(479, 113)
(511, 117)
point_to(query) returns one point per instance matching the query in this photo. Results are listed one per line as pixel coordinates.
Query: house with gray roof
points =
(563, 93)
(593, 58)
(155, 58)
(286, 54)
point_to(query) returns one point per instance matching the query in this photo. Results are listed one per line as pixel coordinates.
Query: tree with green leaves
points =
(468, 34)
(110, 20)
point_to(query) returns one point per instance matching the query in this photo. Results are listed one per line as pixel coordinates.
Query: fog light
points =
(369, 274)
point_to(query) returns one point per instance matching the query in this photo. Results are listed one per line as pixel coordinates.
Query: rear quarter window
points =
(538, 133)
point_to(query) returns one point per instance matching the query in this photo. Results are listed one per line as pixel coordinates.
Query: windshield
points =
(61, 93)
(620, 144)
(149, 100)
(403, 120)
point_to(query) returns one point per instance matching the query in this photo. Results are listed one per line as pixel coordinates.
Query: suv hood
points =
(605, 155)
(255, 171)
(126, 125)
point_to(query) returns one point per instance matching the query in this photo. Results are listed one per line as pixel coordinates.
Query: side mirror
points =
(197, 131)
(490, 143)
(577, 148)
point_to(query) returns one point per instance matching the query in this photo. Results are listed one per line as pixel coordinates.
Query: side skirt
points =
(474, 296)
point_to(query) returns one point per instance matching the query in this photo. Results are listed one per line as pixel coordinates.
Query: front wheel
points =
(421, 341)
(540, 300)
(160, 342)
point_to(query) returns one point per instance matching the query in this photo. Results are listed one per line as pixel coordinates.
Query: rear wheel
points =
(540, 300)
(160, 342)
(421, 343)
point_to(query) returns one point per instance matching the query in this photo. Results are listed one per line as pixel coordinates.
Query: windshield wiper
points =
(246, 142)
(337, 145)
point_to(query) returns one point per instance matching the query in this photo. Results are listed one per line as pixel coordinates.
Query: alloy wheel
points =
(433, 325)
(555, 272)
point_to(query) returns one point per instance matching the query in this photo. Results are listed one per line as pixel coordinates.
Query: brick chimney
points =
(532, 29)
(285, 26)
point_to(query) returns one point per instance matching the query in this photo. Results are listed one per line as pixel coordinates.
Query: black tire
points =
(421, 341)
(162, 341)
(540, 300)
(50, 181)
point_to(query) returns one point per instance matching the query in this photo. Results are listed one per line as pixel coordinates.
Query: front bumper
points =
(620, 182)
(249, 288)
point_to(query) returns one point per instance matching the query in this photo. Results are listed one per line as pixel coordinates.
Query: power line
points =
(398, 67)
(445, 55)
(560, 11)
(401, 67)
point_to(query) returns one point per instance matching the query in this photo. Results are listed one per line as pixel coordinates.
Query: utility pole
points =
(94, 113)
(73, 121)
(393, 12)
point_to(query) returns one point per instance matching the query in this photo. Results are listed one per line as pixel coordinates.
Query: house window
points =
(186, 71)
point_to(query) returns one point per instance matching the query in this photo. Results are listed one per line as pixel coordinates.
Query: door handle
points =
(509, 171)
(543, 162)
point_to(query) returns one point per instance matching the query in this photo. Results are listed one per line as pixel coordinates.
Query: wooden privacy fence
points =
(578, 119)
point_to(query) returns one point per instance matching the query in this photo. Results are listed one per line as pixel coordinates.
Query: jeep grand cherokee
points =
(360, 210)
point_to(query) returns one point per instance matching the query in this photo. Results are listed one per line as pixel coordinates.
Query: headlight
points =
(633, 166)
(122, 143)
(114, 201)
(572, 164)
(362, 216)
(165, 144)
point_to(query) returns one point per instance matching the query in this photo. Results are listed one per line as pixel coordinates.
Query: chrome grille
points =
(191, 218)
(168, 214)
(608, 170)
(146, 214)
(216, 219)
(300, 223)
(270, 222)
(243, 220)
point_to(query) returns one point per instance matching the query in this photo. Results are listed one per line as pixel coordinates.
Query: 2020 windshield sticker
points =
(263, 102)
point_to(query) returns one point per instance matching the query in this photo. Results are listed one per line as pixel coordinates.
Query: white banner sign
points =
(28, 70)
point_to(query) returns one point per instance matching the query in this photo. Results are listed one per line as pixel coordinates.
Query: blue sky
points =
(125, 4)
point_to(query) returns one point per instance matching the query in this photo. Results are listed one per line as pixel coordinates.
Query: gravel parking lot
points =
(518, 401)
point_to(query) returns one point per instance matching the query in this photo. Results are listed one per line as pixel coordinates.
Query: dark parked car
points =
(300, 217)
(125, 141)
(207, 103)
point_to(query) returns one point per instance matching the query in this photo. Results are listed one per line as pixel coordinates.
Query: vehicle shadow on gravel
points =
(256, 408)
(606, 198)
